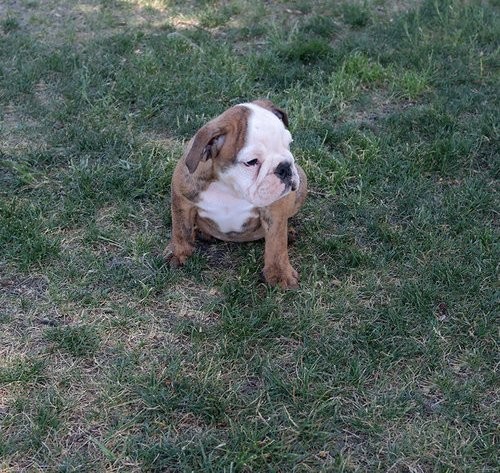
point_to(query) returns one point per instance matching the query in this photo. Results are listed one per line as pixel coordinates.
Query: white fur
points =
(222, 205)
(240, 190)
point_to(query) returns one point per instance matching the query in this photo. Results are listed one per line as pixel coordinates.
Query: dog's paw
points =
(176, 259)
(286, 278)
(175, 262)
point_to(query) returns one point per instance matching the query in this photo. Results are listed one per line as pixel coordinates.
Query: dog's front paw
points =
(286, 278)
(175, 256)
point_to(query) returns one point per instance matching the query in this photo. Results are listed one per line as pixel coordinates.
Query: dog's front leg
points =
(181, 246)
(277, 267)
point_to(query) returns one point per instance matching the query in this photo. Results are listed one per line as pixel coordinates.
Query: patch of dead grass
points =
(20, 132)
(54, 22)
(380, 107)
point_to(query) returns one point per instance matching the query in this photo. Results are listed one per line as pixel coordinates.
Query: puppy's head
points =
(249, 146)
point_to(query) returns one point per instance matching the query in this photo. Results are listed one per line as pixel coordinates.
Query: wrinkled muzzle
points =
(283, 180)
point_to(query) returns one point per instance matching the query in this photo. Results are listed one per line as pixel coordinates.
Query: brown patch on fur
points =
(277, 267)
(181, 246)
(251, 231)
(230, 127)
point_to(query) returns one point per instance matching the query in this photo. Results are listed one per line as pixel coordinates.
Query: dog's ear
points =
(206, 144)
(268, 105)
(226, 129)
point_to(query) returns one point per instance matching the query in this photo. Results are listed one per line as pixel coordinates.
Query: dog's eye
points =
(252, 162)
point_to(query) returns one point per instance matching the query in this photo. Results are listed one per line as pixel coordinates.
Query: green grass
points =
(385, 359)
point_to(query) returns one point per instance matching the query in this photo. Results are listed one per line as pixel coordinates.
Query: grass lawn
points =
(384, 360)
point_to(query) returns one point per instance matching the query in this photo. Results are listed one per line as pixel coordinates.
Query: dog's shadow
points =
(222, 254)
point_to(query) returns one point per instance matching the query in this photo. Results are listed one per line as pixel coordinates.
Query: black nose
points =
(284, 171)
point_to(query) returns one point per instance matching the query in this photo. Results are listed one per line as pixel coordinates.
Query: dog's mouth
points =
(291, 186)
(270, 191)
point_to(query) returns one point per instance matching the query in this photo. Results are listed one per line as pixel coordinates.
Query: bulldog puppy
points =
(238, 181)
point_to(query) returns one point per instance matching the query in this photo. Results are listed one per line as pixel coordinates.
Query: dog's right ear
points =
(227, 130)
(268, 105)
(207, 143)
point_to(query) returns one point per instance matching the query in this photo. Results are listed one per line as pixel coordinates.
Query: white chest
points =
(220, 204)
